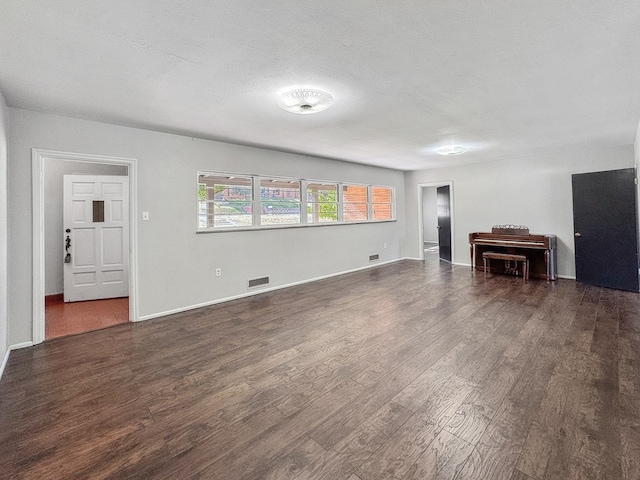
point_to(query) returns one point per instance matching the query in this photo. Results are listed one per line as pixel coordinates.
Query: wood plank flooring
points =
(407, 371)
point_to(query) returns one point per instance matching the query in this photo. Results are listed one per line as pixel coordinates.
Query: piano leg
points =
(471, 248)
(546, 261)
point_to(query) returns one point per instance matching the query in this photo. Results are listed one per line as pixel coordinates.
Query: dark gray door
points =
(443, 202)
(605, 229)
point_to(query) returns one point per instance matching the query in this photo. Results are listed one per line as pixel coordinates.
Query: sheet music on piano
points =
(540, 249)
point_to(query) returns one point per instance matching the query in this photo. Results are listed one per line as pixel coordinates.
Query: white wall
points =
(54, 170)
(534, 191)
(176, 265)
(4, 235)
(430, 214)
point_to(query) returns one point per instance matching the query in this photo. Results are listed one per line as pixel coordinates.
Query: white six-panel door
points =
(96, 237)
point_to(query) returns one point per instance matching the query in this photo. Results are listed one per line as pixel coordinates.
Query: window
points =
(322, 202)
(224, 201)
(229, 201)
(279, 202)
(381, 203)
(354, 203)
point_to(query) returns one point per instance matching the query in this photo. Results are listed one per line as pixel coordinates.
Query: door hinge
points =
(635, 180)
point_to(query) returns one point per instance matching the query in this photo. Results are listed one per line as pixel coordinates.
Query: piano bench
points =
(507, 257)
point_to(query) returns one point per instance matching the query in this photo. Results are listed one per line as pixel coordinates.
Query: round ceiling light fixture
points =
(305, 101)
(451, 150)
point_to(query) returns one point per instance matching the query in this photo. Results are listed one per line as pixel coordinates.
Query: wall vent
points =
(257, 282)
(374, 257)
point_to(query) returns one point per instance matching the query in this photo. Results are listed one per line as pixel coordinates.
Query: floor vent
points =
(374, 257)
(257, 282)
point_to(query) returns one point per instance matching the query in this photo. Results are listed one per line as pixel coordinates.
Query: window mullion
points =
(340, 202)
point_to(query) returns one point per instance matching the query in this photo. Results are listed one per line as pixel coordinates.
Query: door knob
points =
(67, 245)
(577, 234)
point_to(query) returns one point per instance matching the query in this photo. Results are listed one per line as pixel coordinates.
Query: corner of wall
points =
(3, 361)
(4, 235)
(636, 154)
(636, 145)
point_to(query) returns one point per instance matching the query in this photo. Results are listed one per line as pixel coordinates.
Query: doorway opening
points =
(435, 223)
(52, 317)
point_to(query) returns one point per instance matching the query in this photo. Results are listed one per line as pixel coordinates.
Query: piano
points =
(540, 250)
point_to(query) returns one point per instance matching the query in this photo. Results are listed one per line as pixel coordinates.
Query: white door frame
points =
(421, 217)
(38, 159)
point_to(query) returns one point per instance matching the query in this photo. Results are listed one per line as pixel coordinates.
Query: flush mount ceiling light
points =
(305, 101)
(451, 150)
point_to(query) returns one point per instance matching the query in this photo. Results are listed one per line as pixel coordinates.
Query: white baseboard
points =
(459, 264)
(265, 290)
(279, 287)
(17, 346)
(5, 359)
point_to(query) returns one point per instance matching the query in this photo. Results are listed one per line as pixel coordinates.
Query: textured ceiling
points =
(506, 78)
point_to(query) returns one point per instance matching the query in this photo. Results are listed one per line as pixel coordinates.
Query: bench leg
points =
(485, 262)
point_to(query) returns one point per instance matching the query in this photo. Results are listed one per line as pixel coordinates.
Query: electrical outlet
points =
(385, 245)
(218, 272)
(145, 216)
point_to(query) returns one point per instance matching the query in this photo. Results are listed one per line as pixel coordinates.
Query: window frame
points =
(256, 202)
(307, 203)
(392, 203)
(230, 176)
(279, 181)
(367, 202)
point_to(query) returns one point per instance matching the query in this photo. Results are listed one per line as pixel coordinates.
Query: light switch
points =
(145, 216)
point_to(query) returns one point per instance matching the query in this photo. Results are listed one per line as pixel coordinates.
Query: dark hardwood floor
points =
(405, 371)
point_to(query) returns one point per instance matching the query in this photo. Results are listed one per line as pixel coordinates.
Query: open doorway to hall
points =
(83, 220)
(436, 226)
